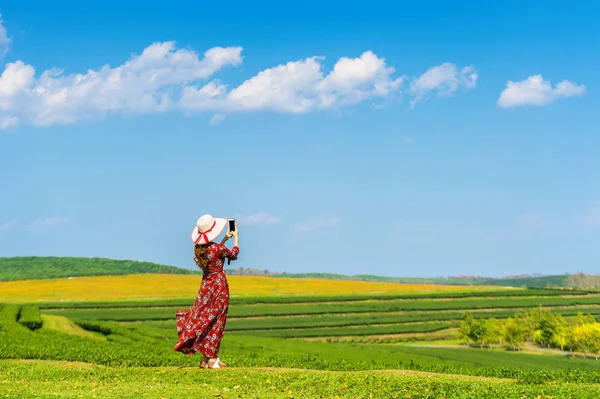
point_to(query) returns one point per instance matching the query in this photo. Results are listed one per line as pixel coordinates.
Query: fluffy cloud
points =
(299, 87)
(259, 218)
(165, 78)
(4, 39)
(144, 84)
(445, 79)
(535, 91)
(316, 224)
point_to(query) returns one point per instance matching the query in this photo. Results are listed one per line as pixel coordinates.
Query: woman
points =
(201, 328)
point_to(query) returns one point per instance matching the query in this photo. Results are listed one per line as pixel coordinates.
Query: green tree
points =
(548, 327)
(527, 322)
(466, 326)
(582, 320)
(514, 332)
(492, 331)
(479, 332)
(563, 331)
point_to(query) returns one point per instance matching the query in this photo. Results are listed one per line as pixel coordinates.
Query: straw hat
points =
(207, 229)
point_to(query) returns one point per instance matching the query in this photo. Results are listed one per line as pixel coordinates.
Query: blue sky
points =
(406, 139)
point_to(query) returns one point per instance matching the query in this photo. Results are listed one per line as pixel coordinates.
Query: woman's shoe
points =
(216, 364)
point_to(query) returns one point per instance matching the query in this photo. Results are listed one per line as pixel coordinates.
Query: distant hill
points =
(35, 268)
(535, 281)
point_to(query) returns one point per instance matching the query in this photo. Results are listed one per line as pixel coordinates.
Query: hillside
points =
(535, 282)
(35, 268)
(521, 281)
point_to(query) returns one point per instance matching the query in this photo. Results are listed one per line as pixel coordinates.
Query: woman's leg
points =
(204, 361)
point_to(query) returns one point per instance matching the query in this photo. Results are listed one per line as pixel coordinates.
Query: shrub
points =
(30, 317)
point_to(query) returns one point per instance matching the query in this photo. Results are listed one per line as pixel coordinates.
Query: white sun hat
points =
(207, 229)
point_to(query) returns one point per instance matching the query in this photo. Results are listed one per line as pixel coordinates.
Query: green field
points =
(347, 346)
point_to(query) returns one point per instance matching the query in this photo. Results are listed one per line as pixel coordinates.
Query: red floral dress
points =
(201, 327)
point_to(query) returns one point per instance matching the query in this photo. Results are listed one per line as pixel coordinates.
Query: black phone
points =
(231, 224)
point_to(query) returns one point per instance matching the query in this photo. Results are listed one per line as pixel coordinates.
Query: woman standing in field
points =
(201, 327)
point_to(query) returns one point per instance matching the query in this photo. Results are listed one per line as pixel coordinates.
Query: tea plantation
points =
(402, 345)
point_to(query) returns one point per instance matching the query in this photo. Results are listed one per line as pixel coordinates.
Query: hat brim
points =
(220, 224)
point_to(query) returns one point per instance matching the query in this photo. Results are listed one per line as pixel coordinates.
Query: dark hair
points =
(201, 256)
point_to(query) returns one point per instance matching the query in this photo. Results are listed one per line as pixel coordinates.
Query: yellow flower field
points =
(147, 286)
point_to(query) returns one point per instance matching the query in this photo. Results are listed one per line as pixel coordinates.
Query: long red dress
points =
(201, 327)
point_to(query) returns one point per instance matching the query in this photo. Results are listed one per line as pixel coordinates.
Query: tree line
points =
(538, 326)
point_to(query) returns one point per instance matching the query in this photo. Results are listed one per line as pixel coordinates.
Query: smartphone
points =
(231, 224)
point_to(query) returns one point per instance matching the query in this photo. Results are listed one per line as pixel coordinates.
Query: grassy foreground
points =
(124, 348)
(45, 379)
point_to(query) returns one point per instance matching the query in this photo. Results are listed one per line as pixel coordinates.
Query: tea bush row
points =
(249, 352)
(298, 299)
(345, 331)
(30, 317)
(316, 315)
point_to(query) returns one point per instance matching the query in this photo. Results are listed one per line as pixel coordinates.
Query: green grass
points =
(62, 324)
(52, 379)
(34, 268)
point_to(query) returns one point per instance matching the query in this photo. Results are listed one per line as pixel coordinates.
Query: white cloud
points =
(317, 224)
(145, 84)
(9, 225)
(445, 79)
(49, 222)
(216, 119)
(259, 218)
(300, 87)
(407, 140)
(166, 78)
(535, 91)
(4, 39)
